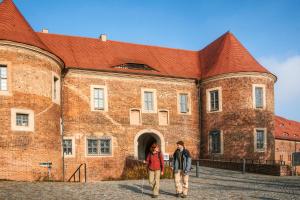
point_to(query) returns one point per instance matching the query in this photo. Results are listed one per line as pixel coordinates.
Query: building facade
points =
(69, 100)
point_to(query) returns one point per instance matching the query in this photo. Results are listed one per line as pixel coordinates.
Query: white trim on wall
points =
(143, 90)
(104, 87)
(31, 119)
(254, 97)
(189, 104)
(265, 140)
(208, 106)
(99, 138)
(73, 146)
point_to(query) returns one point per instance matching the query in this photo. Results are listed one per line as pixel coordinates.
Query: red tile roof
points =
(287, 129)
(90, 53)
(14, 27)
(225, 55)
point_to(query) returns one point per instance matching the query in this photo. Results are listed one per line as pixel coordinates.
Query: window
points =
(163, 117)
(214, 100)
(281, 157)
(183, 103)
(99, 100)
(259, 99)
(55, 89)
(22, 120)
(68, 147)
(3, 78)
(215, 142)
(55, 95)
(99, 147)
(135, 117)
(260, 139)
(149, 100)
(135, 66)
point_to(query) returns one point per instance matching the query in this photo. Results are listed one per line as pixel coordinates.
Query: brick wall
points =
(30, 74)
(238, 118)
(284, 150)
(124, 93)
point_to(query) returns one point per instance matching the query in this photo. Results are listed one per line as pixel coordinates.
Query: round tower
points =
(30, 102)
(237, 103)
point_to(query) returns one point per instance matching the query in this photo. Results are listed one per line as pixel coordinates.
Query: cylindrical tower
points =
(30, 108)
(238, 116)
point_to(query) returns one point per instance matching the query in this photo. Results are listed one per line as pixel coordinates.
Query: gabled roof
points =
(287, 129)
(14, 27)
(91, 53)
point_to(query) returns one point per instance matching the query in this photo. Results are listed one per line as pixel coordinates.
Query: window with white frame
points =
(99, 147)
(259, 96)
(99, 100)
(184, 102)
(214, 99)
(149, 100)
(215, 138)
(68, 147)
(22, 120)
(260, 139)
(3, 78)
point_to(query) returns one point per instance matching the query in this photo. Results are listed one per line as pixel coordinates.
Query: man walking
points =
(182, 163)
(155, 164)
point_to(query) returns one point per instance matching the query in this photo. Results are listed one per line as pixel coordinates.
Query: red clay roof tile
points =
(227, 55)
(14, 27)
(287, 129)
(224, 55)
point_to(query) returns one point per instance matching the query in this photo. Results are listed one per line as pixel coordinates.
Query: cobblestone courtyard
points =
(213, 184)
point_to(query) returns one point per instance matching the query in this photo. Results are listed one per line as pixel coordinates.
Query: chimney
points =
(44, 30)
(103, 37)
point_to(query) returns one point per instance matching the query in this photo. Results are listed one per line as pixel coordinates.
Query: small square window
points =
(22, 119)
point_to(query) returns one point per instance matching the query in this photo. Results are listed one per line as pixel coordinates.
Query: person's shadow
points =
(147, 190)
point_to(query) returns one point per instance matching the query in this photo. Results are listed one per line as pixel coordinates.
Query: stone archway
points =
(144, 139)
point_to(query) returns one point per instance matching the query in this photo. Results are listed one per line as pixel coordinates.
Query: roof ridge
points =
(115, 41)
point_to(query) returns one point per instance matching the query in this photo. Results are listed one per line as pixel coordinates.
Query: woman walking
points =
(155, 163)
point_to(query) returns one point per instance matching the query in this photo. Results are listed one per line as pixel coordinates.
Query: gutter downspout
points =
(62, 123)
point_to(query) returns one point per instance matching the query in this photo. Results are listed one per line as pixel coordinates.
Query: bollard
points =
(244, 166)
(197, 170)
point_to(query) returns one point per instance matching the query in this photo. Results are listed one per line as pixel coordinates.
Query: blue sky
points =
(270, 30)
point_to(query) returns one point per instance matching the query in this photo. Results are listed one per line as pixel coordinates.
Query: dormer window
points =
(134, 66)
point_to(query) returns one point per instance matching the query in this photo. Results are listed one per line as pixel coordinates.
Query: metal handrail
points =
(79, 175)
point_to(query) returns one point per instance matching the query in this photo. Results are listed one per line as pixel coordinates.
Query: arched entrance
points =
(143, 141)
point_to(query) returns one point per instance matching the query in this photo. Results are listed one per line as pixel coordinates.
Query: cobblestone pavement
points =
(213, 184)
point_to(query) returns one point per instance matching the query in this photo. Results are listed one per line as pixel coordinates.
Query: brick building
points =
(71, 100)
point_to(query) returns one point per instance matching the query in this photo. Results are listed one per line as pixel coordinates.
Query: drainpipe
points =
(199, 114)
(62, 122)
